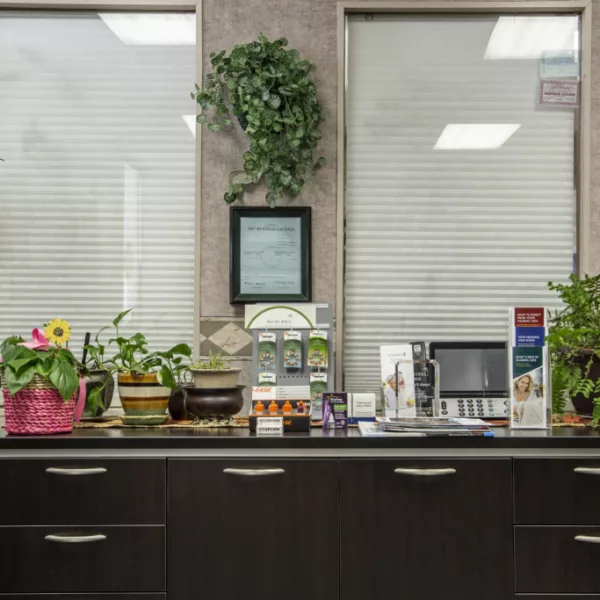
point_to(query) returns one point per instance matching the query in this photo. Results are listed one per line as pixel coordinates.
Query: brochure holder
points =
(414, 389)
(529, 377)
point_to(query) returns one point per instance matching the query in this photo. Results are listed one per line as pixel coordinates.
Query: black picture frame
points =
(237, 213)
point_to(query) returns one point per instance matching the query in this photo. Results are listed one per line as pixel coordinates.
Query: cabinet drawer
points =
(557, 491)
(83, 492)
(128, 559)
(427, 529)
(551, 560)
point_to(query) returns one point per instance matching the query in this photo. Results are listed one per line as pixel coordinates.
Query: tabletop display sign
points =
(270, 254)
(529, 367)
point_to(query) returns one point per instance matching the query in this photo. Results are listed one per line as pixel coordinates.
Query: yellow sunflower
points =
(58, 331)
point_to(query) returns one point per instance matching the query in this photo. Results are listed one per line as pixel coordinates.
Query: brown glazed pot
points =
(205, 403)
(142, 395)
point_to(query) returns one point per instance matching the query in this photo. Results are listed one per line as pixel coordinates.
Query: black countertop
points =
(223, 439)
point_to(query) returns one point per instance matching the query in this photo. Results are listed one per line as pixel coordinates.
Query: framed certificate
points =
(270, 254)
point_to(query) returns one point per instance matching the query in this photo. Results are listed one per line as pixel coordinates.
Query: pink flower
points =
(39, 341)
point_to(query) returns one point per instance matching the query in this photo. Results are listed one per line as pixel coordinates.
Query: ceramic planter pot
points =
(142, 395)
(189, 401)
(215, 379)
(96, 379)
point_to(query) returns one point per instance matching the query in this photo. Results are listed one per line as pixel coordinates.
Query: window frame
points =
(583, 145)
(189, 6)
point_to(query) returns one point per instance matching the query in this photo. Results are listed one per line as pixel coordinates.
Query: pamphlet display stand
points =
(279, 383)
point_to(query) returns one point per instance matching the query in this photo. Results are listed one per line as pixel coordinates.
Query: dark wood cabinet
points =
(426, 529)
(557, 560)
(259, 530)
(557, 491)
(83, 492)
(82, 559)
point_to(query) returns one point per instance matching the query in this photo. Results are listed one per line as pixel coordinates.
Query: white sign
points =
(269, 425)
(559, 92)
(280, 392)
(559, 64)
(281, 316)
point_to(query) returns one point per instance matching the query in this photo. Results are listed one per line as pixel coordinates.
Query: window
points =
(460, 197)
(97, 172)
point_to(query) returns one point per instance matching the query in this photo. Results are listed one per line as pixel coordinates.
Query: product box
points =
(293, 421)
(335, 410)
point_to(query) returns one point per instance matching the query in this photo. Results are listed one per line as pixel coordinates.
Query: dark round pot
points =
(204, 403)
(583, 405)
(96, 379)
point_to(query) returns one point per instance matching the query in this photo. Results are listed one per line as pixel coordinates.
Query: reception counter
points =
(223, 515)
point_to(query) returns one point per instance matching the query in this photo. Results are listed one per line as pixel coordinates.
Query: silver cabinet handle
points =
(588, 539)
(75, 539)
(254, 472)
(587, 470)
(425, 472)
(90, 471)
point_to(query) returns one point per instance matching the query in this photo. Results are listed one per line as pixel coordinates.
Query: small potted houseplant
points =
(214, 373)
(145, 380)
(215, 392)
(99, 382)
(40, 380)
(574, 344)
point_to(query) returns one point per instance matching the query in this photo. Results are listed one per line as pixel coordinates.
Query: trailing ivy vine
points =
(269, 91)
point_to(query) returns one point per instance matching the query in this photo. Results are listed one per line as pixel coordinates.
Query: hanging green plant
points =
(268, 89)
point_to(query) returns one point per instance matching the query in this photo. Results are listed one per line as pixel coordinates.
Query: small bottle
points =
(259, 408)
(273, 408)
(287, 407)
(301, 408)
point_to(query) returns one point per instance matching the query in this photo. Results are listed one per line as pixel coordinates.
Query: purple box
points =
(335, 406)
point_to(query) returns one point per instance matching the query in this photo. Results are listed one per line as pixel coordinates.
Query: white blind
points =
(97, 174)
(439, 243)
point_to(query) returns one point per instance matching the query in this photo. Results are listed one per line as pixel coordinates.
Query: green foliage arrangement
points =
(215, 362)
(268, 89)
(574, 341)
(20, 361)
(132, 357)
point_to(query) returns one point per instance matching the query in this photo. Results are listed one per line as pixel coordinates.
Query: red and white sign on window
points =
(560, 92)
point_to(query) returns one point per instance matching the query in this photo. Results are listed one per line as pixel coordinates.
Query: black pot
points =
(96, 379)
(205, 403)
(583, 405)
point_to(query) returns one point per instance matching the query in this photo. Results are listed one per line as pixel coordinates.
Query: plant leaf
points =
(65, 379)
(17, 381)
(121, 316)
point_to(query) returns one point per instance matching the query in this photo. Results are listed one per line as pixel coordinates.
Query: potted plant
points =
(145, 380)
(269, 90)
(214, 373)
(574, 345)
(40, 381)
(99, 382)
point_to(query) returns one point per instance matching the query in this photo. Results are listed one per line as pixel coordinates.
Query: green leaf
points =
(214, 127)
(201, 118)
(165, 377)
(65, 379)
(121, 316)
(183, 349)
(19, 363)
(44, 367)
(15, 382)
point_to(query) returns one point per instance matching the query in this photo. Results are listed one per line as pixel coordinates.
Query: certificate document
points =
(270, 256)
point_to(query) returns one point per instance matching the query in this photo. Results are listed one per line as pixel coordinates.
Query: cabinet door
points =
(255, 530)
(426, 530)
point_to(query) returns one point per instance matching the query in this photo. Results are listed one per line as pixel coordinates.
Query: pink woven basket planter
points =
(38, 409)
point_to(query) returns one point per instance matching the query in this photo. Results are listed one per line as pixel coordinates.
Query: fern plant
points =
(268, 89)
(574, 341)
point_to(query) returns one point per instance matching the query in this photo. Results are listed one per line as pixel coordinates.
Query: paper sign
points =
(280, 392)
(559, 92)
(269, 426)
(282, 316)
(554, 65)
(529, 317)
